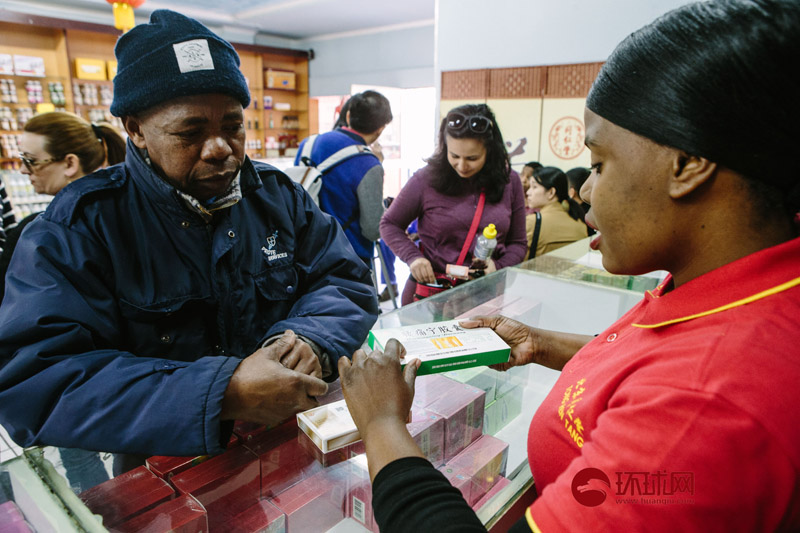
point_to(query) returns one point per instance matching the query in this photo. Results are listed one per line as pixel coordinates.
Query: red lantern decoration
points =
(123, 13)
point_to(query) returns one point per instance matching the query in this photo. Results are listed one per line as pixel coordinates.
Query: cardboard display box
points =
(443, 346)
(317, 503)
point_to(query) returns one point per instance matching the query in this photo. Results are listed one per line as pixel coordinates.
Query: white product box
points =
(443, 346)
(330, 426)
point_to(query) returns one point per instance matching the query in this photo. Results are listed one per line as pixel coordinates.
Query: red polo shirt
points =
(687, 409)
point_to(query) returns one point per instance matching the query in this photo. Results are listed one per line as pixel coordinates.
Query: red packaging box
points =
(283, 460)
(317, 503)
(225, 485)
(184, 514)
(247, 430)
(263, 517)
(165, 466)
(331, 458)
(462, 409)
(427, 428)
(359, 495)
(501, 482)
(476, 469)
(430, 388)
(123, 497)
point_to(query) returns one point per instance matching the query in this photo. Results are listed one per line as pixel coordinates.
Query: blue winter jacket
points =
(126, 314)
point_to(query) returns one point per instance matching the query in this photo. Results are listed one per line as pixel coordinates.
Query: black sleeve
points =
(410, 495)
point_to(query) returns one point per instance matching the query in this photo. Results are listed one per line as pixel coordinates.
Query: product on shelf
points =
(56, 89)
(8, 91)
(34, 90)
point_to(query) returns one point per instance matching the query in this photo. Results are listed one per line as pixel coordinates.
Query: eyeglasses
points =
(31, 164)
(476, 123)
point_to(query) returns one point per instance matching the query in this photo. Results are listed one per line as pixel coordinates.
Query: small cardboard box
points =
(90, 69)
(279, 79)
(443, 346)
(329, 426)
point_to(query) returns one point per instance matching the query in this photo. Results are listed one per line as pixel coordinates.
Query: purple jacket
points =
(444, 222)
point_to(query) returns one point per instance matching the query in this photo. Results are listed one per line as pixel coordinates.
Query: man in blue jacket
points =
(352, 191)
(157, 301)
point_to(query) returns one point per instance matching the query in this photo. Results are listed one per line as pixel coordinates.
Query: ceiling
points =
(292, 19)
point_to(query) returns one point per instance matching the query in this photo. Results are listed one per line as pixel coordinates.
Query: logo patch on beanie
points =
(193, 55)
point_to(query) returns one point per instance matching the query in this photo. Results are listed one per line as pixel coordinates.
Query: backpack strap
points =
(305, 155)
(343, 155)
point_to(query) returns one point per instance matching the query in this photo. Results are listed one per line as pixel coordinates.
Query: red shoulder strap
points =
(473, 228)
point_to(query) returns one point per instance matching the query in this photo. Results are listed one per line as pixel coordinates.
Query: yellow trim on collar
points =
(531, 523)
(763, 294)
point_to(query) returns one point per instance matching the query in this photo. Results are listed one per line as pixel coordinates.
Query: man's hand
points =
(376, 389)
(301, 358)
(422, 270)
(263, 390)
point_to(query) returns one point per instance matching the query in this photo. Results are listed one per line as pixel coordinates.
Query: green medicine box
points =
(444, 346)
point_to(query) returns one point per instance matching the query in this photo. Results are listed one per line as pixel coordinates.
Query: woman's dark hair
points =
(716, 80)
(555, 178)
(341, 121)
(494, 175)
(65, 133)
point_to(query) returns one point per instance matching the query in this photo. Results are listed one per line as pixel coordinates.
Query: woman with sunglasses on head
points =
(688, 403)
(467, 184)
(559, 220)
(56, 149)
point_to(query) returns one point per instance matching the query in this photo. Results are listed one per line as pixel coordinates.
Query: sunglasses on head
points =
(31, 164)
(476, 123)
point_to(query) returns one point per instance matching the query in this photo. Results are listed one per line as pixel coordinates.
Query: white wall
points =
(400, 58)
(475, 34)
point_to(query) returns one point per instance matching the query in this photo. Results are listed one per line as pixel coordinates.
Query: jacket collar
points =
(751, 278)
(163, 193)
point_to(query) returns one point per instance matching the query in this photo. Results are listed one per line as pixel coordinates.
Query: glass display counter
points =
(277, 480)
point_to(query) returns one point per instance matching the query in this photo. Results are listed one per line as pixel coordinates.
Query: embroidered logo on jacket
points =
(269, 250)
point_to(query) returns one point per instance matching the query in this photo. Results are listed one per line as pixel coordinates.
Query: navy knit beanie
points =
(172, 56)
